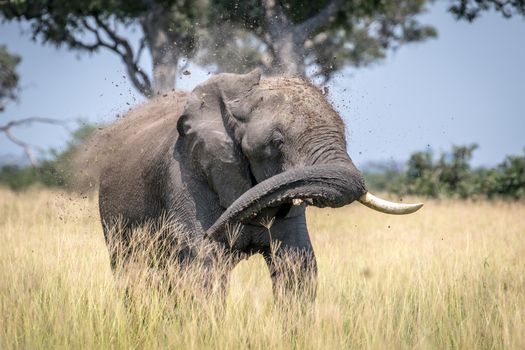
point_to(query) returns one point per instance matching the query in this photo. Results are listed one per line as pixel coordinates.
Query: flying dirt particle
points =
(186, 72)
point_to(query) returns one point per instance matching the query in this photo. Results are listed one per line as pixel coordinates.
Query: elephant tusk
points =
(297, 201)
(388, 207)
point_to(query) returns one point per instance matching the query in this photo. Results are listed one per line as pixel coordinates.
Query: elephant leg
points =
(291, 260)
(117, 242)
(294, 273)
(214, 272)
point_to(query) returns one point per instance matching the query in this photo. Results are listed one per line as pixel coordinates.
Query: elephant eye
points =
(277, 139)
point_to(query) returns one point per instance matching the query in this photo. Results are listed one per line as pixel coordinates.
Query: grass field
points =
(449, 276)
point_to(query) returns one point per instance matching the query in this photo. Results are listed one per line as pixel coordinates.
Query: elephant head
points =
(266, 144)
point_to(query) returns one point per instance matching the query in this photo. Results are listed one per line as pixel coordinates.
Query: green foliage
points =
(8, 76)
(59, 21)
(18, 178)
(384, 176)
(471, 9)
(451, 175)
(420, 176)
(53, 172)
(455, 176)
(508, 179)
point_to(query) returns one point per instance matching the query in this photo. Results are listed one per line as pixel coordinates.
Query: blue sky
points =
(466, 86)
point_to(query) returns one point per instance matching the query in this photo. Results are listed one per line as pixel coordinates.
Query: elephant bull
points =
(237, 149)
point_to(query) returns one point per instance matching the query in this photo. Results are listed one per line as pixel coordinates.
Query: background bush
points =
(54, 171)
(450, 175)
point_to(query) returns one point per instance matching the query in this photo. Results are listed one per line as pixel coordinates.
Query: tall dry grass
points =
(449, 276)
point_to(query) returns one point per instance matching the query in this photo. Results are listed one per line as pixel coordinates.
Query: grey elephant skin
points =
(237, 149)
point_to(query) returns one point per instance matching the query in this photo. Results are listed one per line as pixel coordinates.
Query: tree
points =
(8, 77)
(168, 29)
(290, 36)
(421, 176)
(507, 179)
(471, 9)
(455, 174)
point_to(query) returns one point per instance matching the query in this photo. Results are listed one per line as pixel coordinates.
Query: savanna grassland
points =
(449, 276)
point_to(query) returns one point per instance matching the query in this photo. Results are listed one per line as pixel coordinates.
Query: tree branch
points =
(137, 75)
(106, 37)
(310, 25)
(6, 129)
(142, 45)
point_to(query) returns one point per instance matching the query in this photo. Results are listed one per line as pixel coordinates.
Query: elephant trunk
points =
(322, 185)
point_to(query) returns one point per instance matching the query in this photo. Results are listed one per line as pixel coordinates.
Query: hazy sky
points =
(466, 86)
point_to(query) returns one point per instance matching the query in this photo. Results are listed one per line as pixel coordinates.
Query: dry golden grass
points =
(449, 276)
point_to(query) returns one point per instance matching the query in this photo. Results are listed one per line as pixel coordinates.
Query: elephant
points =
(238, 149)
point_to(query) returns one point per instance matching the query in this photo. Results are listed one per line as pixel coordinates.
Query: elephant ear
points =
(207, 128)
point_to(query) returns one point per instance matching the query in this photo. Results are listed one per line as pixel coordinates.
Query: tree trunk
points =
(288, 54)
(286, 40)
(163, 48)
(286, 45)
